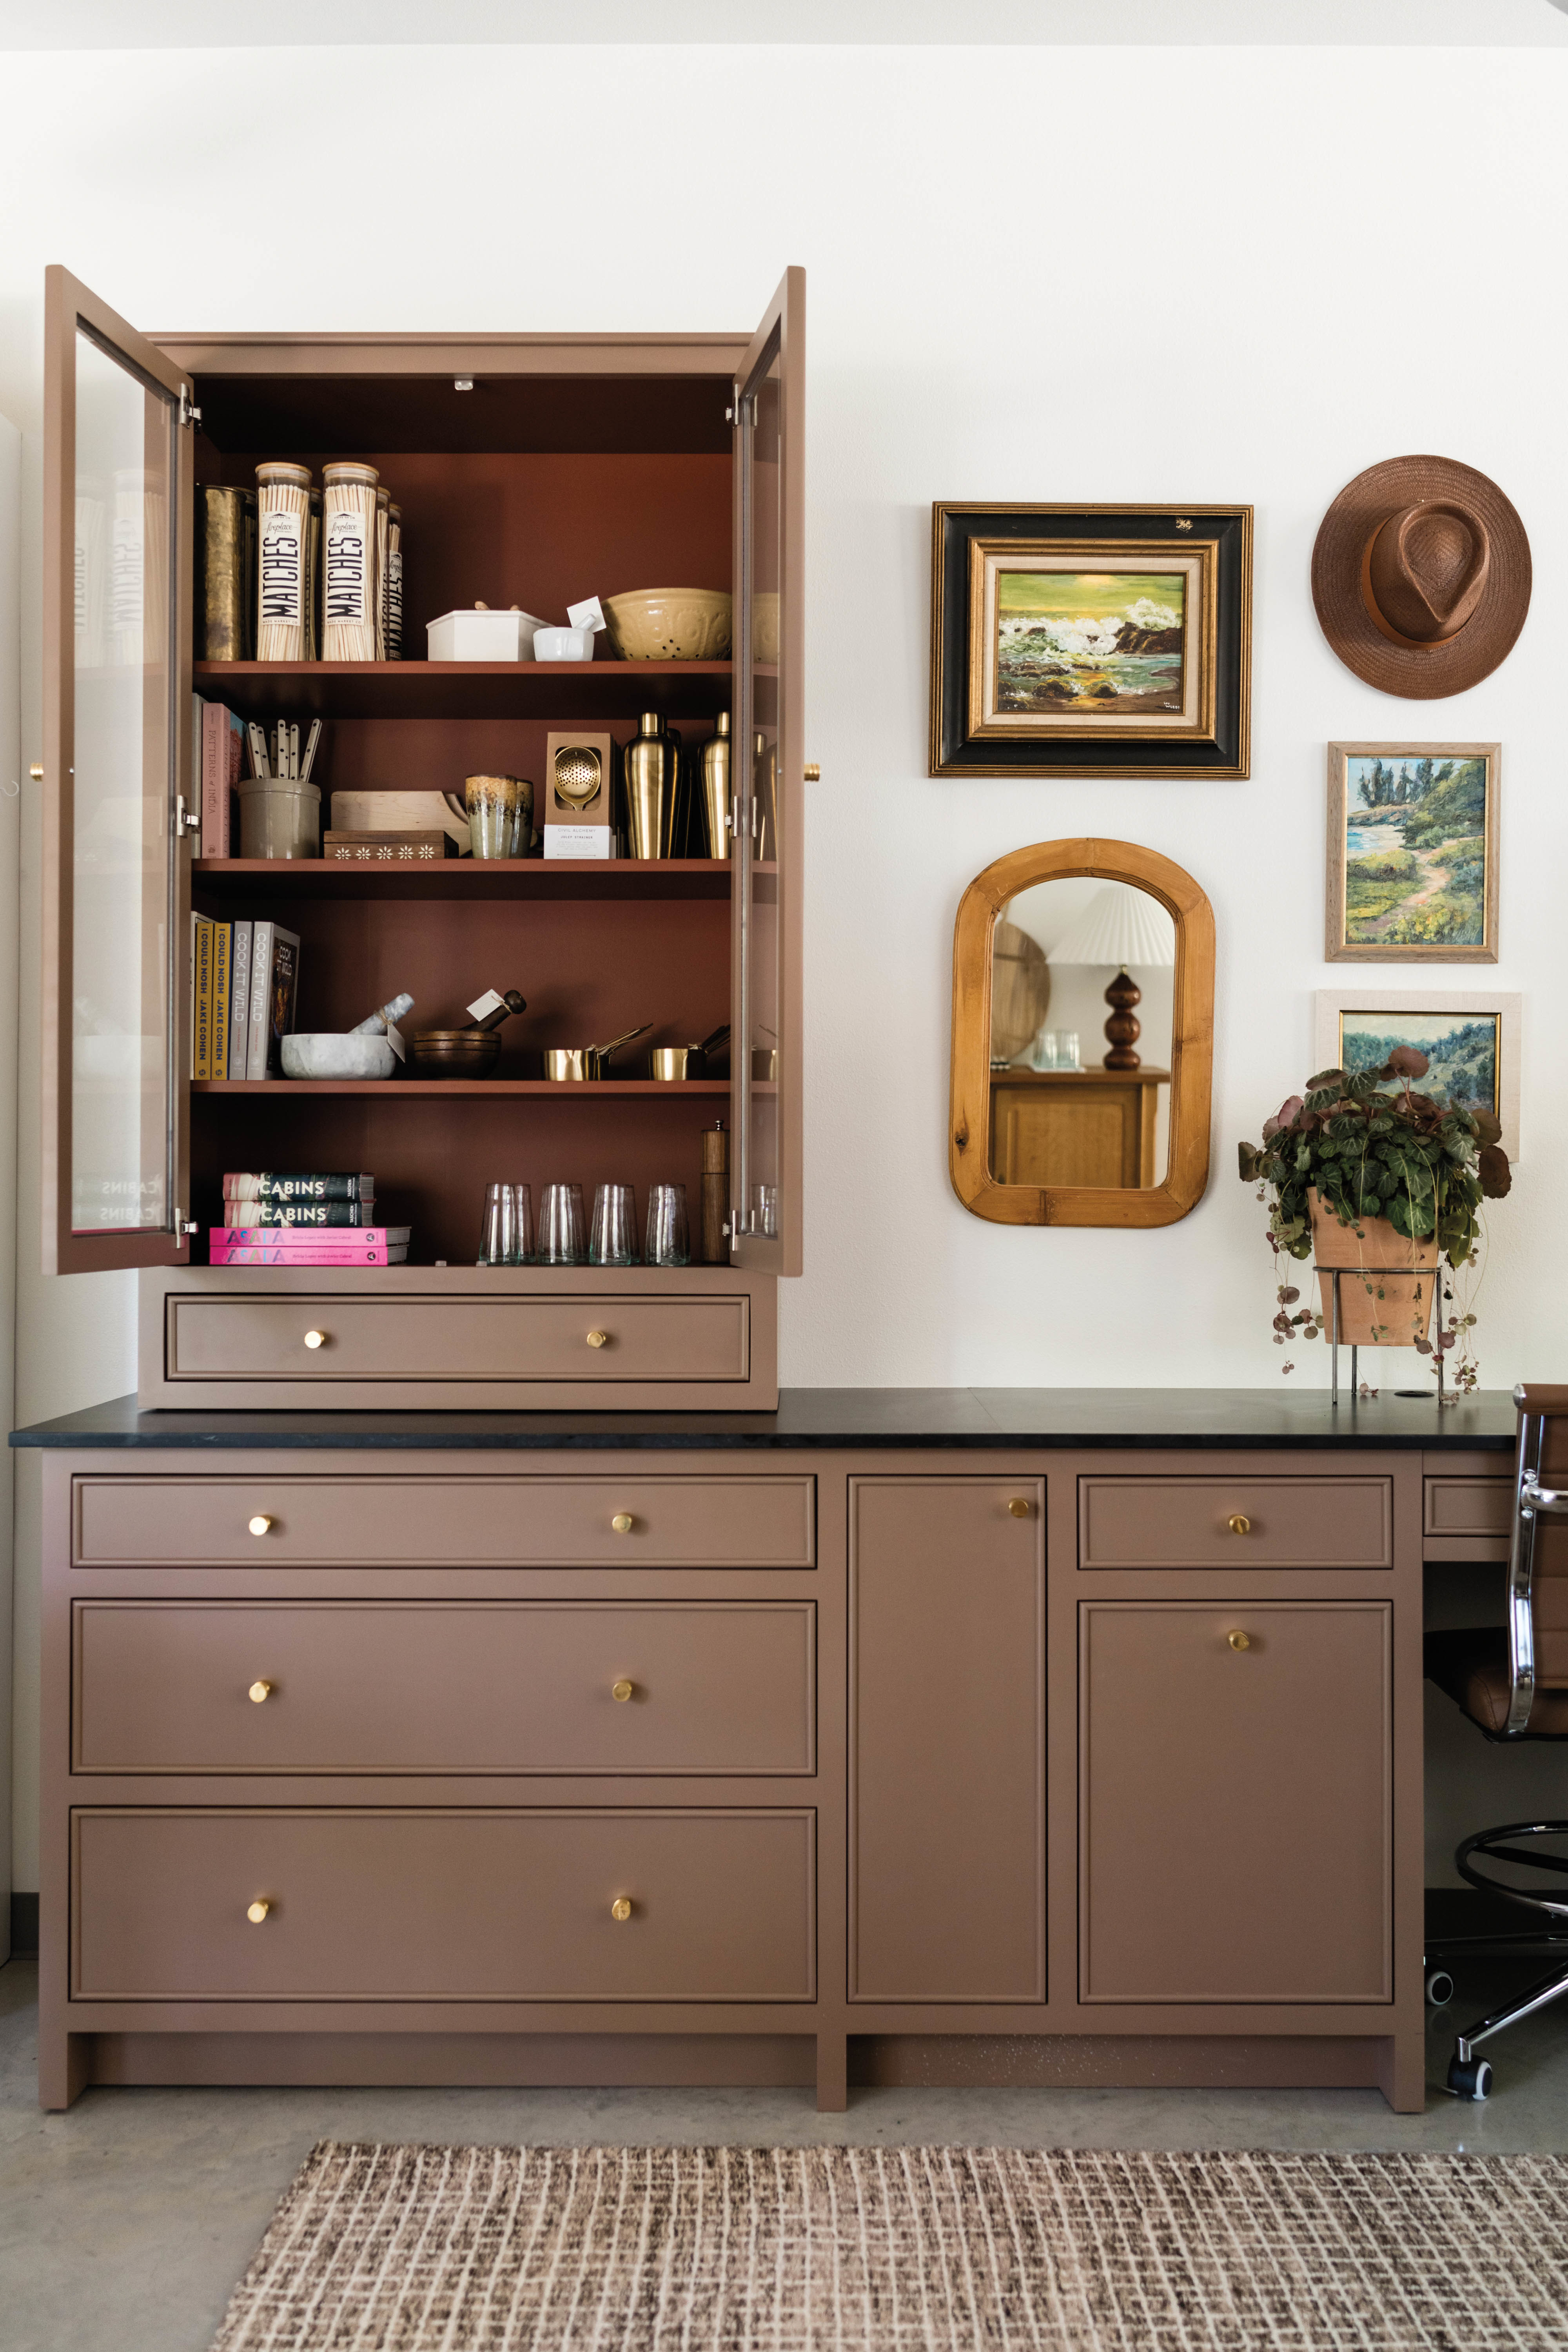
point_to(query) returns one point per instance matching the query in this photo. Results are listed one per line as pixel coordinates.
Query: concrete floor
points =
(125, 2223)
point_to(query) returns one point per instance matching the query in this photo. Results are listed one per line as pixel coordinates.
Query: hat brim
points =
(1419, 672)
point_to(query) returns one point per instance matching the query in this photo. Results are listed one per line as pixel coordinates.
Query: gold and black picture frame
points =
(1091, 641)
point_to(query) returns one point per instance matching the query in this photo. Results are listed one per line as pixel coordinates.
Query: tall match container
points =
(349, 587)
(282, 554)
(382, 504)
(394, 583)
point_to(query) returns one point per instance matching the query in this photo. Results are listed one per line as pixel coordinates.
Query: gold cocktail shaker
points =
(716, 786)
(651, 767)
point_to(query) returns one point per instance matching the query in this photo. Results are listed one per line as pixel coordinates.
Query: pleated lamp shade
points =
(1120, 927)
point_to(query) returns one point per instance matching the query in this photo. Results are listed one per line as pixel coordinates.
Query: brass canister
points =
(716, 788)
(650, 766)
(226, 557)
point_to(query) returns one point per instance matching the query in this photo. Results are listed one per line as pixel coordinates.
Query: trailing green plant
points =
(1425, 1164)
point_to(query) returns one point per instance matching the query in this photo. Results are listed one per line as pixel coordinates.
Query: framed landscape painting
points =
(1413, 853)
(1471, 1044)
(1098, 641)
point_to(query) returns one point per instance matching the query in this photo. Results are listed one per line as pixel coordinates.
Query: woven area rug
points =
(614, 2249)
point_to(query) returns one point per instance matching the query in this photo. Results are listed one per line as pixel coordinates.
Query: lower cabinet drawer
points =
(589, 1338)
(434, 1686)
(1469, 1506)
(1240, 1522)
(265, 1521)
(426, 1905)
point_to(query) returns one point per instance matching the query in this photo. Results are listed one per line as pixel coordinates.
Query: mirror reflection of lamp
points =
(1121, 926)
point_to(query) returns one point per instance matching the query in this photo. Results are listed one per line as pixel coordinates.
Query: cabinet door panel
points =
(947, 1674)
(1235, 1833)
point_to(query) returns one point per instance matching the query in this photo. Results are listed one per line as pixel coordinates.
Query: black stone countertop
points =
(859, 1419)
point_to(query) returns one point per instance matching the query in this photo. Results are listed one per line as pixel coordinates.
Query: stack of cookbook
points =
(322, 1218)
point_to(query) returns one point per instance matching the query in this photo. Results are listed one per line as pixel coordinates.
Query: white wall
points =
(1054, 274)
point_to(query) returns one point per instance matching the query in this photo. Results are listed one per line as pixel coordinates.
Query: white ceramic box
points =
(482, 636)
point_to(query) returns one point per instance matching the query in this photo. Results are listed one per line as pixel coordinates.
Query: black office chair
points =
(1512, 1681)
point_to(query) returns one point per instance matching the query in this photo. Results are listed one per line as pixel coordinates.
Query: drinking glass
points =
(1066, 1049)
(509, 1226)
(765, 1211)
(668, 1241)
(614, 1238)
(561, 1225)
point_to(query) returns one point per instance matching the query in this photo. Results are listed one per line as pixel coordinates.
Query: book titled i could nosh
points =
(326, 1184)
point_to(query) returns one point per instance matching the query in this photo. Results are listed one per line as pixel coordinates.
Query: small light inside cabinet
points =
(462, 383)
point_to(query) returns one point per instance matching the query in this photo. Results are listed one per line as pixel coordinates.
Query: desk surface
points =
(854, 1419)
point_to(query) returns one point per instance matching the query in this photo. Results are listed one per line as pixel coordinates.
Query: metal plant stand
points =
(1336, 1274)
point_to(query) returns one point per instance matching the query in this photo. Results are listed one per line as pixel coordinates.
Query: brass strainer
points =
(578, 776)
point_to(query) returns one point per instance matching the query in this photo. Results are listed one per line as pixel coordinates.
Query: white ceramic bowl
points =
(336, 1054)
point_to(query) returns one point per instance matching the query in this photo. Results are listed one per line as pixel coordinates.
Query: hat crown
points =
(1426, 570)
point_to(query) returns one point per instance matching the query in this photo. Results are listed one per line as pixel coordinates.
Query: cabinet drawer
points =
(1282, 1523)
(468, 1521)
(442, 1905)
(1236, 1833)
(474, 1686)
(1469, 1506)
(466, 1340)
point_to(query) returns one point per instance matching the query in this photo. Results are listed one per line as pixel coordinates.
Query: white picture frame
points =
(1503, 1007)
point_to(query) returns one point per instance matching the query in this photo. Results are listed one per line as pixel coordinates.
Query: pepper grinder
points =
(715, 1194)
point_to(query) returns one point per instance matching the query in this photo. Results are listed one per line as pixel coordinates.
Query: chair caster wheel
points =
(1469, 2078)
(1439, 1988)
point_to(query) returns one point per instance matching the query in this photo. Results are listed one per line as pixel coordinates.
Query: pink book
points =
(281, 1254)
(305, 1244)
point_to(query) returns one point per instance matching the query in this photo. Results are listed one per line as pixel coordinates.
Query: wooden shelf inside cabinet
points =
(465, 878)
(567, 693)
(545, 1090)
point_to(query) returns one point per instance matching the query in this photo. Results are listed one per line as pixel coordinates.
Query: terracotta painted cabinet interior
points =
(531, 471)
(734, 1764)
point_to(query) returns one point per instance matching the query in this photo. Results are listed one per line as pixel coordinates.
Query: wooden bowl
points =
(456, 1053)
(671, 623)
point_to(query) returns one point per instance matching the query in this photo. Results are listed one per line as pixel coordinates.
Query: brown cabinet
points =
(442, 1905)
(1236, 1801)
(946, 1739)
(238, 1686)
(579, 462)
(1075, 1127)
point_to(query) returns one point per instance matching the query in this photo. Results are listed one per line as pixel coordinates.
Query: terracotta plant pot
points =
(1387, 1300)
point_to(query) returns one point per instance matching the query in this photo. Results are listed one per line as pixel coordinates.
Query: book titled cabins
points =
(307, 1217)
(245, 986)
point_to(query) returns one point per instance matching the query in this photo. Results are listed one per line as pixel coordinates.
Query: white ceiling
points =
(278, 24)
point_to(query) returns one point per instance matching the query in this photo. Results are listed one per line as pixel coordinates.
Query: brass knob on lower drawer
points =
(622, 1690)
(620, 1908)
(260, 1692)
(257, 1912)
(1019, 1507)
(315, 1338)
(1240, 1523)
(261, 1525)
(622, 1523)
(598, 1338)
(1239, 1641)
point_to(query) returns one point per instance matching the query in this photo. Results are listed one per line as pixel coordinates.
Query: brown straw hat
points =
(1421, 576)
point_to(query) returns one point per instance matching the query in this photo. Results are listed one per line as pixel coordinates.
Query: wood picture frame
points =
(1435, 1009)
(1408, 898)
(1192, 1042)
(1091, 641)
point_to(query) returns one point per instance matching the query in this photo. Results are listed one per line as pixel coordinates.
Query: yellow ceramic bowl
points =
(669, 623)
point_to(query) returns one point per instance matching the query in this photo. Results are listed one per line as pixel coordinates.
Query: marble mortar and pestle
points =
(362, 1052)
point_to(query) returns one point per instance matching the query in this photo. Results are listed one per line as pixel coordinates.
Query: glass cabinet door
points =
(769, 611)
(117, 767)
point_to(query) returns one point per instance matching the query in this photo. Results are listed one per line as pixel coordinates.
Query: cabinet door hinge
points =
(182, 1227)
(185, 820)
(190, 415)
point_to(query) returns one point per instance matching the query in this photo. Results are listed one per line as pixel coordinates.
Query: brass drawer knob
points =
(260, 1693)
(620, 1908)
(1239, 1641)
(598, 1338)
(622, 1523)
(623, 1691)
(257, 1912)
(812, 772)
(315, 1338)
(261, 1525)
(1240, 1523)
(1019, 1507)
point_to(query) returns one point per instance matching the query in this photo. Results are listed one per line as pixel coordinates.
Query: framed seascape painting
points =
(1471, 1044)
(1413, 853)
(1091, 641)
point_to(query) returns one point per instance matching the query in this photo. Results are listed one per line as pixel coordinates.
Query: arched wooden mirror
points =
(1082, 1038)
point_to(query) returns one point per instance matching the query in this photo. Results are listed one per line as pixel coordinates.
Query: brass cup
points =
(670, 1062)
